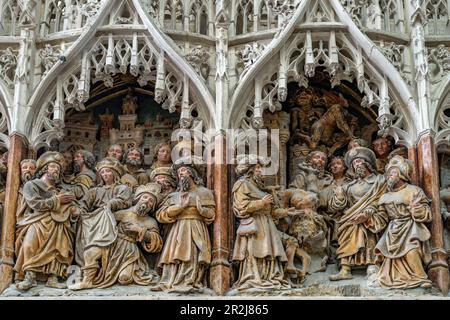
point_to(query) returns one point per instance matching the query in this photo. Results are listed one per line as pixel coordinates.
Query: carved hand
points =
(267, 199)
(184, 200)
(131, 228)
(361, 217)
(65, 198)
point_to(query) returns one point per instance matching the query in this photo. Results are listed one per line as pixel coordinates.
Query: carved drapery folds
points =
(108, 56)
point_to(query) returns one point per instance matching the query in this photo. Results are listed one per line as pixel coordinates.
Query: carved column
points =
(220, 275)
(412, 155)
(429, 168)
(17, 152)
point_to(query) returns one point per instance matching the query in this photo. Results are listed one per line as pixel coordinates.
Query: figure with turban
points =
(404, 248)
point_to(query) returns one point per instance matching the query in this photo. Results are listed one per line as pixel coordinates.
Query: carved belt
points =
(189, 215)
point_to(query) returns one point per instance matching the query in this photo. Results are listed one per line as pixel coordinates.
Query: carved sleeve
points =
(36, 201)
(299, 182)
(121, 199)
(422, 213)
(378, 219)
(152, 241)
(167, 213)
(337, 203)
(243, 205)
(81, 186)
(208, 214)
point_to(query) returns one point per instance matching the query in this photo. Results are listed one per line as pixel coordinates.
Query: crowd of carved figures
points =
(350, 203)
(107, 217)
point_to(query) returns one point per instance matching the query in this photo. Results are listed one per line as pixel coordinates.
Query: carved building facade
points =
(235, 64)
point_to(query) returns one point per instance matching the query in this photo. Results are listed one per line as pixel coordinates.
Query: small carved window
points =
(390, 15)
(9, 18)
(244, 17)
(437, 17)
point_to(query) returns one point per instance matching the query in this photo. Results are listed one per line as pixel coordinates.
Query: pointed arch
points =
(441, 115)
(147, 55)
(375, 75)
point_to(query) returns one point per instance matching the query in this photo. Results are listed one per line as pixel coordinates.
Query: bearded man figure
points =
(258, 248)
(27, 173)
(84, 176)
(312, 176)
(134, 159)
(115, 151)
(186, 254)
(165, 177)
(404, 247)
(45, 234)
(361, 222)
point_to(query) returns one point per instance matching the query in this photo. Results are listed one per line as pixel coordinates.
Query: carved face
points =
(381, 147)
(360, 167)
(185, 178)
(53, 171)
(115, 151)
(164, 154)
(27, 171)
(134, 157)
(393, 178)
(107, 175)
(78, 162)
(337, 167)
(318, 160)
(68, 160)
(145, 204)
(164, 182)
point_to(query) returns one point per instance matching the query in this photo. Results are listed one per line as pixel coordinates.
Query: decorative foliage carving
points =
(198, 58)
(285, 9)
(90, 8)
(49, 56)
(248, 56)
(8, 64)
(395, 54)
(439, 62)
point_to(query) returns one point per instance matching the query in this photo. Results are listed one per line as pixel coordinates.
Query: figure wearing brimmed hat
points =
(97, 230)
(186, 254)
(404, 247)
(361, 221)
(165, 177)
(125, 262)
(258, 248)
(44, 235)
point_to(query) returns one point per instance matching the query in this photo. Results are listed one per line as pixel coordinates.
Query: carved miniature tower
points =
(129, 134)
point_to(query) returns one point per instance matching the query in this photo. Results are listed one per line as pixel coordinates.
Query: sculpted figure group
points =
(354, 214)
(123, 224)
(107, 217)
